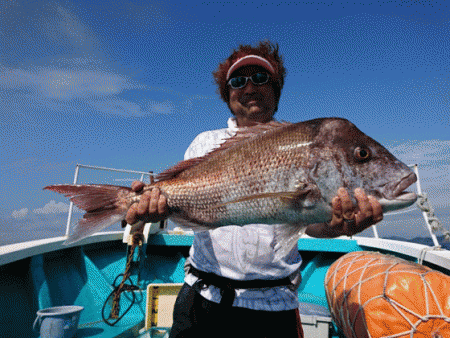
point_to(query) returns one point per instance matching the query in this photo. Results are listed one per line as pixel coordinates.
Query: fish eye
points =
(362, 154)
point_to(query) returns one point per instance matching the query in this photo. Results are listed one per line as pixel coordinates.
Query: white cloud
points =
(80, 78)
(66, 84)
(66, 28)
(86, 62)
(73, 80)
(165, 107)
(18, 214)
(54, 87)
(71, 26)
(52, 208)
(99, 89)
(117, 106)
(423, 152)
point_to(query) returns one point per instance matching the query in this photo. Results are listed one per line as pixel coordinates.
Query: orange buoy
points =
(372, 295)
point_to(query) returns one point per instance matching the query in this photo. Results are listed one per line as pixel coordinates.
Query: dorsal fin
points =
(178, 168)
(241, 135)
(249, 132)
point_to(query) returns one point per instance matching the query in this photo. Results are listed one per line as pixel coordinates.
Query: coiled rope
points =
(424, 204)
(115, 295)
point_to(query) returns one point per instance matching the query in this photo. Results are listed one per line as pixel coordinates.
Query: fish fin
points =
(287, 196)
(246, 133)
(178, 168)
(104, 206)
(241, 135)
(249, 132)
(286, 237)
(91, 224)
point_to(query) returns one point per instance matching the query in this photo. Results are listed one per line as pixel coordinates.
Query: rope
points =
(424, 204)
(424, 251)
(137, 240)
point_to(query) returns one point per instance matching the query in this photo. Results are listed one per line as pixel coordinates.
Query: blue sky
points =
(128, 85)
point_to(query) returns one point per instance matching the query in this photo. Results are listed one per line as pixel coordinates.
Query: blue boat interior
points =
(85, 275)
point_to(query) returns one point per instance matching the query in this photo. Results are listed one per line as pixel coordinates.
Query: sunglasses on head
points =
(240, 81)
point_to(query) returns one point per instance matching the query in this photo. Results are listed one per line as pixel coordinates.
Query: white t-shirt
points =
(241, 252)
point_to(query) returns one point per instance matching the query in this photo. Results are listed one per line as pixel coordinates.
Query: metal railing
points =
(75, 181)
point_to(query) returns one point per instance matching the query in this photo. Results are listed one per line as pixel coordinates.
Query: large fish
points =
(274, 173)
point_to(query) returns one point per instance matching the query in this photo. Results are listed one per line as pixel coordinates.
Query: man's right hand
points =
(151, 208)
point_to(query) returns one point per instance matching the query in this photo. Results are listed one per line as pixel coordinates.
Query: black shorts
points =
(195, 316)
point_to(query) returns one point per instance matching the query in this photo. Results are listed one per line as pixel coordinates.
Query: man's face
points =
(252, 103)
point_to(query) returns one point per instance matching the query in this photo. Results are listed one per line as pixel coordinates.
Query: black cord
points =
(126, 287)
(123, 286)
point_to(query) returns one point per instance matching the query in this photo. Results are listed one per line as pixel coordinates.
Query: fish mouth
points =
(403, 184)
(399, 198)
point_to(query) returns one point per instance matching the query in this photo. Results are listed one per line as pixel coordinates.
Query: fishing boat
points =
(127, 284)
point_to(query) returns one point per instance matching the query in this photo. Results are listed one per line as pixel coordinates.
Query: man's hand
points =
(348, 219)
(151, 208)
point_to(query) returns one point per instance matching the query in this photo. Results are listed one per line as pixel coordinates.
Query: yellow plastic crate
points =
(160, 302)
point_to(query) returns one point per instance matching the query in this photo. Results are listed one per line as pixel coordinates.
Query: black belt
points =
(228, 286)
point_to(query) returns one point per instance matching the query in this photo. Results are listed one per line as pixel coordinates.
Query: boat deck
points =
(49, 274)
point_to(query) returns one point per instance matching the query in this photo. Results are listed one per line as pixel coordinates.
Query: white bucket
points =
(58, 322)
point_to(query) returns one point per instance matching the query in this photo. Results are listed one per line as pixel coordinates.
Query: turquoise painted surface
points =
(306, 244)
(85, 276)
(81, 276)
(312, 288)
(171, 240)
(328, 245)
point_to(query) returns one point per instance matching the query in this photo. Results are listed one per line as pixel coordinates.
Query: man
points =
(234, 286)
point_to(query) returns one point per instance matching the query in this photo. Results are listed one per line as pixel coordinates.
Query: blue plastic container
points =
(58, 322)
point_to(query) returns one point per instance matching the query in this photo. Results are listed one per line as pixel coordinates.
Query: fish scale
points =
(237, 174)
(275, 173)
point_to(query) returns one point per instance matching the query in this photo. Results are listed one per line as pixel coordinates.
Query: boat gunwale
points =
(17, 251)
(440, 257)
(434, 255)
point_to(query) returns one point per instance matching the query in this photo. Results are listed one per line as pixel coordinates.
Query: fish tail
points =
(104, 206)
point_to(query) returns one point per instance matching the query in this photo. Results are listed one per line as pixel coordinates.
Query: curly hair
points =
(265, 49)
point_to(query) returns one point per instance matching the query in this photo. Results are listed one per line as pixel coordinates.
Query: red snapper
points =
(275, 173)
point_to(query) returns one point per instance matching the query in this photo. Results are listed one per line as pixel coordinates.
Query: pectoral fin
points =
(285, 196)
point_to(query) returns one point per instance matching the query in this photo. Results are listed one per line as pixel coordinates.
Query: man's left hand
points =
(348, 219)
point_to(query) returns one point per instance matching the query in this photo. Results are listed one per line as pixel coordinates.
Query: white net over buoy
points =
(372, 295)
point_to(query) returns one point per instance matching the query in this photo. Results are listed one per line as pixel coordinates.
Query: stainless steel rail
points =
(75, 181)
